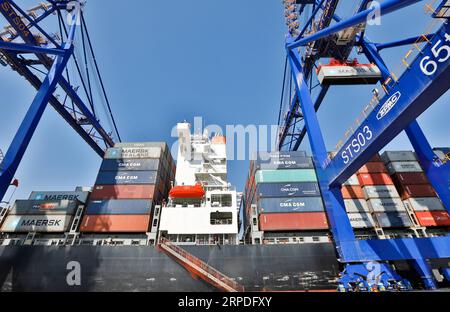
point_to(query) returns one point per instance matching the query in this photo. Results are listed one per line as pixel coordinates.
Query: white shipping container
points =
(386, 205)
(391, 156)
(43, 224)
(356, 205)
(404, 166)
(380, 191)
(424, 204)
(440, 154)
(361, 220)
(352, 181)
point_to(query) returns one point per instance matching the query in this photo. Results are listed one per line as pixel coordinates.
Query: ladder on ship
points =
(199, 268)
(1, 156)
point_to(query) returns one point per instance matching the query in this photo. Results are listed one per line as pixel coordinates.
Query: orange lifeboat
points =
(187, 191)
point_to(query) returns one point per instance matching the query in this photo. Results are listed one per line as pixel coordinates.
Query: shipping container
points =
(279, 176)
(424, 204)
(393, 219)
(37, 223)
(126, 177)
(433, 218)
(130, 165)
(374, 179)
(102, 192)
(82, 197)
(410, 178)
(423, 190)
(306, 189)
(115, 224)
(264, 156)
(293, 221)
(162, 145)
(356, 205)
(44, 207)
(391, 156)
(353, 180)
(386, 205)
(380, 191)
(133, 153)
(352, 192)
(361, 220)
(119, 207)
(440, 154)
(282, 163)
(404, 166)
(375, 158)
(373, 167)
(283, 205)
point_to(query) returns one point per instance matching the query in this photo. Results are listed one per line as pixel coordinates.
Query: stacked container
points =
(44, 212)
(443, 153)
(133, 178)
(416, 192)
(284, 188)
(383, 200)
(356, 205)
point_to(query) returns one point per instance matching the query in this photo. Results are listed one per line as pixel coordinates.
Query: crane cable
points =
(77, 65)
(100, 78)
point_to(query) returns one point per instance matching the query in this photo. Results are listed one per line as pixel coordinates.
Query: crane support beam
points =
(29, 124)
(7, 9)
(57, 105)
(317, 103)
(426, 79)
(334, 203)
(403, 42)
(438, 173)
(351, 250)
(361, 17)
(25, 48)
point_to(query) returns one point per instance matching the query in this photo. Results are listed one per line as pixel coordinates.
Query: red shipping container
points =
(373, 167)
(293, 221)
(352, 192)
(115, 224)
(410, 178)
(374, 179)
(102, 192)
(376, 158)
(422, 190)
(433, 218)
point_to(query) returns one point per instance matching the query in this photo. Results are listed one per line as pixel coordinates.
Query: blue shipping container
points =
(307, 189)
(130, 165)
(119, 207)
(126, 177)
(278, 205)
(393, 219)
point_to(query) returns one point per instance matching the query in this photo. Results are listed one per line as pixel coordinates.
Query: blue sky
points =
(169, 61)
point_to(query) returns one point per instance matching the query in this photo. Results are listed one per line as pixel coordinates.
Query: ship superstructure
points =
(193, 216)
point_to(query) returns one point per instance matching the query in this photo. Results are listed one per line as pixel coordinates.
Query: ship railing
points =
(202, 265)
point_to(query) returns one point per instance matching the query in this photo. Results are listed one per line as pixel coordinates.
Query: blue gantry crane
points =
(42, 58)
(316, 33)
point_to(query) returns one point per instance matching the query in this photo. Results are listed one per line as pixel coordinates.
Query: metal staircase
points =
(199, 268)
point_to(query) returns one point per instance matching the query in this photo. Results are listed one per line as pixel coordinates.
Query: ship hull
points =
(145, 268)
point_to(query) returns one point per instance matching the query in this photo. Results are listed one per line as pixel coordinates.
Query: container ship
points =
(352, 219)
(150, 225)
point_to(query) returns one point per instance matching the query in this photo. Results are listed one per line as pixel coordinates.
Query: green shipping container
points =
(274, 176)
